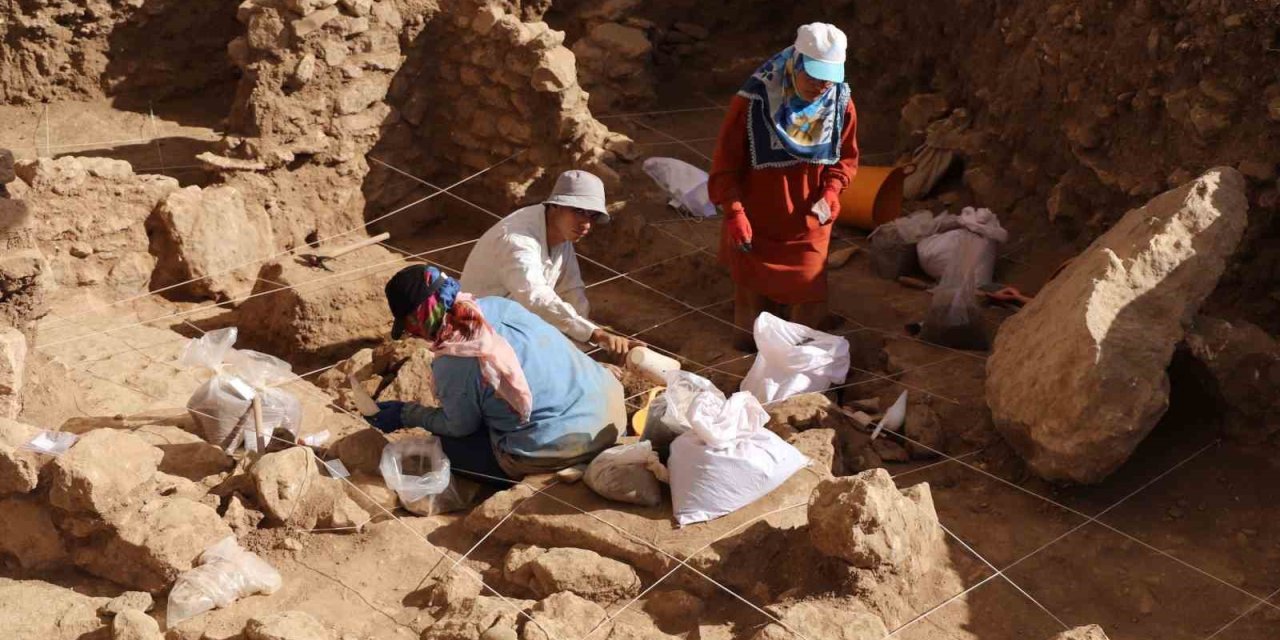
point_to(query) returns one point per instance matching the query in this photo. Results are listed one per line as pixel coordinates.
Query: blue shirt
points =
(570, 404)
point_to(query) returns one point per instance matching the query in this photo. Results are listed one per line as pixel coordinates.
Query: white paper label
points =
(242, 388)
(53, 443)
(336, 469)
(316, 439)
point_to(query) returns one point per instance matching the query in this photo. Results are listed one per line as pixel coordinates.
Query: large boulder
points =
(309, 311)
(38, 610)
(101, 470)
(28, 536)
(1242, 363)
(1090, 632)
(19, 468)
(1077, 378)
(868, 522)
(291, 491)
(822, 620)
(146, 548)
(212, 237)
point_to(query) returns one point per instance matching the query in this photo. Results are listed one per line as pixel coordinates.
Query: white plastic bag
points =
(794, 359)
(728, 459)
(222, 405)
(893, 252)
(627, 473)
(936, 252)
(684, 183)
(226, 573)
(420, 474)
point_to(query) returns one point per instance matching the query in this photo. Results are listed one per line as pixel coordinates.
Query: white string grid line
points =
(671, 138)
(301, 250)
(1242, 616)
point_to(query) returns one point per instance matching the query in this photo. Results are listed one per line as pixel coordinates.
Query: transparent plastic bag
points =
(222, 406)
(226, 573)
(420, 474)
(684, 183)
(627, 473)
(794, 359)
(954, 319)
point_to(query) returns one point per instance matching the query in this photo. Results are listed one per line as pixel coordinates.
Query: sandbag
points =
(627, 473)
(684, 183)
(226, 573)
(954, 319)
(222, 406)
(727, 459)
(417, 469)
(794, 359)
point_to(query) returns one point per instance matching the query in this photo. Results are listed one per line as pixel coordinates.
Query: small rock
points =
(81, 249)
(454, 588)
(302, 27)
(1090, 632)
(135, 600)
(240, 518)
(556, 71)
(19, 468)
(361, 93)
(133, 624)
(292, 492)
(563, 615)
(676, 604)
(358, 7)
(585, 573)
(290, 625)
(305, 71)
(1259, 170)
(821, 620)
(890, 451)
(307, 7)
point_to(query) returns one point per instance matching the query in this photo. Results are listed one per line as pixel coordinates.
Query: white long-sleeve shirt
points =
(512, 260)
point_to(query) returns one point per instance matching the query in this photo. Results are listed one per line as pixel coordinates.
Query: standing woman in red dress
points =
(787, 149)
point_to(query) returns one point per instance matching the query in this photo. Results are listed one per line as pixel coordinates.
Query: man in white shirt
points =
(528, 257)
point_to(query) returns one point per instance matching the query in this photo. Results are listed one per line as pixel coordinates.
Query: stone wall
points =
(479, 86)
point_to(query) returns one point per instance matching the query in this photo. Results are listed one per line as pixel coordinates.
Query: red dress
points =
(787, 261)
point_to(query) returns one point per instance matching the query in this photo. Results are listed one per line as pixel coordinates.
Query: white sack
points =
(794, 359)
(627, 473)
(936, 251)
(728, 459)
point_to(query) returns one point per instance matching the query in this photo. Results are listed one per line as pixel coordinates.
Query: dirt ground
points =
(1183, 542)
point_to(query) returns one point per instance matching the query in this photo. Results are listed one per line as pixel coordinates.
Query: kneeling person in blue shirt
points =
(516, 397)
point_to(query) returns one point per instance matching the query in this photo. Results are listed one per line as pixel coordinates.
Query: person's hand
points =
(388, 417)
(735, 220)
(832, 195)
(1009, 294)
(611, 342)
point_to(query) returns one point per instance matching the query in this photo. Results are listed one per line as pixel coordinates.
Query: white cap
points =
(582, 190)
(823, 46)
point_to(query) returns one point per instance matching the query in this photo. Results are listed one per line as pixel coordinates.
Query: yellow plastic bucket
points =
(873, 198)
(641, 416)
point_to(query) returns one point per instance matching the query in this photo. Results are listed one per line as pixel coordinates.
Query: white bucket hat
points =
(823, 47)
(581, 190)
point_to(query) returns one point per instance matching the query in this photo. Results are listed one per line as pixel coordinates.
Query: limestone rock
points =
(19, 468)
(291, 491)
(866, 521)
(517, 566)
(1090, 632)
(454, 588)
(148, 547)
(290, 625)
(13, 360)
(209, 236)
(361, 94)
(1077, 378)
(563, 615)
(132, 624)
(305, 26)
(307, 7)
(39, 610)
(1243, 366)
(480, 617)
(676, 604)
(348, 312)
(814, 620)
(585, 573)
(360, 451)
(240, 518)
(137, 600)
(185, 454)
(100, 470)
(28, 536)
(371, 493)
(556, 71)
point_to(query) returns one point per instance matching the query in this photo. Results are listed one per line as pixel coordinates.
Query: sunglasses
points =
(584, 213)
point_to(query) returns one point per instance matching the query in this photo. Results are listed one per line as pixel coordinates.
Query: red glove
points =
(735, 220)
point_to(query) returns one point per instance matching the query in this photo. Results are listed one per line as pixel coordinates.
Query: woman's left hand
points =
(832, 196)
